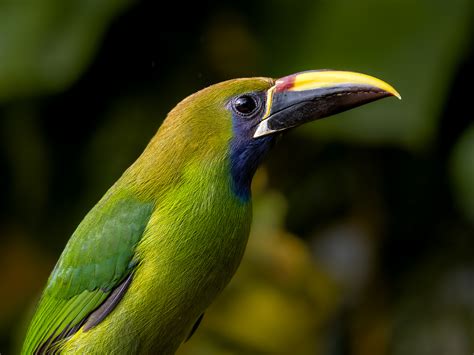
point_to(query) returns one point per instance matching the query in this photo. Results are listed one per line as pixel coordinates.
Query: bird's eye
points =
(245, 105)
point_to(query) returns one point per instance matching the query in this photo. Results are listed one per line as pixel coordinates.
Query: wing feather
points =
(97, 259)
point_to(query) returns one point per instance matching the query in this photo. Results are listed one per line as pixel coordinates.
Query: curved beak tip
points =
(391, 90)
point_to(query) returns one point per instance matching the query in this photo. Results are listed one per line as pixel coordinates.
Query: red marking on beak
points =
(285, 83)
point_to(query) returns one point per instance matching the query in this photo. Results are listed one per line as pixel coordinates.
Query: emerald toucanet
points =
(145, 263)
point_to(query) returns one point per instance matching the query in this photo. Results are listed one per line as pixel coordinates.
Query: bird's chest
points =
(202, 235)
(194, 243)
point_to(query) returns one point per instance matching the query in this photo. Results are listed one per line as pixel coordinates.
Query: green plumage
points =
(173, 221)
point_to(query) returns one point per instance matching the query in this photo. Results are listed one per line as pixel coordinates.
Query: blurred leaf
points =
(435, 314)
(27, 156)
(24, 266)
(45, 45)
(462, 171)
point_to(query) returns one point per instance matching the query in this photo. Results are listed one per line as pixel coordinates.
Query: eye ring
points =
(246, 104)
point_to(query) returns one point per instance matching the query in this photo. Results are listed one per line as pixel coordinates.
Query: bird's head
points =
(237, 121)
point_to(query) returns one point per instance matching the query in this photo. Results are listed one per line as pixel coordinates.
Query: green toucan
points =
(142, 267)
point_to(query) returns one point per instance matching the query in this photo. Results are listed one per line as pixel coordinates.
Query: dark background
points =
(363, 236)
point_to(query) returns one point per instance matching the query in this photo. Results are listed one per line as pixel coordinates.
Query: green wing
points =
(96, 260)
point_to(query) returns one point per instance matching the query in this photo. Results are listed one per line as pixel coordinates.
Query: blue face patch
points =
(246, 152)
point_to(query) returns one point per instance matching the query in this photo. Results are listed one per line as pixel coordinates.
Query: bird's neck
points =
(162, 167)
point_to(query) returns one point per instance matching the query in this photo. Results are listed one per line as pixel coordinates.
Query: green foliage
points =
(462, 171)
(46, 45)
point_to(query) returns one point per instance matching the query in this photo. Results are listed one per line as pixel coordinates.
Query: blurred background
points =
(363, 236)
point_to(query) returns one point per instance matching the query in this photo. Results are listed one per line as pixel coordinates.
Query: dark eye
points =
(245, 104)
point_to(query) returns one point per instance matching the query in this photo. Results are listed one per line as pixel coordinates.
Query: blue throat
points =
(246, 154)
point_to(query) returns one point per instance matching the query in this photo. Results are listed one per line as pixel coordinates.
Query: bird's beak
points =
(310, 95)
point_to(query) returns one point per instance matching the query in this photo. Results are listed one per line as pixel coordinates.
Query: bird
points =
(145, 263)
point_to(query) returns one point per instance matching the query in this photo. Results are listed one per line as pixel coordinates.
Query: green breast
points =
(199, 233)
